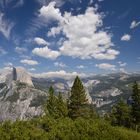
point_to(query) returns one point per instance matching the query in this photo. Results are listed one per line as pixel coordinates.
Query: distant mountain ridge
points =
(22, 96)
(105, 90)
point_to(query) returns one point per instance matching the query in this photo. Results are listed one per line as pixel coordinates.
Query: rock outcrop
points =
(21, 75)
(19, 99)
(25, 102)
(8, 75)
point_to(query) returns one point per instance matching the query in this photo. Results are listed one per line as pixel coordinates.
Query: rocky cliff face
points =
(8, 75)
(21, 75)
(18, 97)
(25, 102)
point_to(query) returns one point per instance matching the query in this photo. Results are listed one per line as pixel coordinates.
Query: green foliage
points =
(78, 106)
(121, 114)
(55, 107)
(50, 106)
(64, 129)
(61, 106)
(57, 125)
(136, 103)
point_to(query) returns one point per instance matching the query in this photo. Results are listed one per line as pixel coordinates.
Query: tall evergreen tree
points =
(62, 109)
(77, 100)
(56, 107)
(136, 103)
(121, 114)
(50, 107)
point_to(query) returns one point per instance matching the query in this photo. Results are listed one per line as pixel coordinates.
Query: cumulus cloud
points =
(54, 31)
(86, 43)
(83, 39)
(59, 74)
(50, 13)
(106, 66)
(134, 24)
(126, 37)
(20, 50)
(40, 41)
(5, 26)
(46, 53)
(29, 62)
(59, 64)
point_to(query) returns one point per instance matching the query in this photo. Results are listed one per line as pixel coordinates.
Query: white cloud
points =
(54, 31)
(121, 64)
(106, 66)
(5, 26)
(40, 41)
(46, 53)
(2, 51)
(59, 74)
(8, 64)
(29, 62)
(81, 67)
(50, 13)
(84, 40)
(59, 64)
(134, 24)
(86, 43)
(126, 37)
(20, 50)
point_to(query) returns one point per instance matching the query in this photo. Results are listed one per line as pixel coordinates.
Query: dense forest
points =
(75, 119)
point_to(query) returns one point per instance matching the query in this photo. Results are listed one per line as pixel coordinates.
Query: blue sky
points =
(70, 36)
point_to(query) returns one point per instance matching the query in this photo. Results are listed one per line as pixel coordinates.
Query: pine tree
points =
(62, 108)
(121, 114)
(55, 107)
(77, 101)
(50, 107)
(136, 103)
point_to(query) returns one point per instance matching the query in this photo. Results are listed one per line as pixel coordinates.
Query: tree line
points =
(75, 106)
(76, 119)
(127, 115)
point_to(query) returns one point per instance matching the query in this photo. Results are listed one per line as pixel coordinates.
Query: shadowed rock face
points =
(14, 74)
